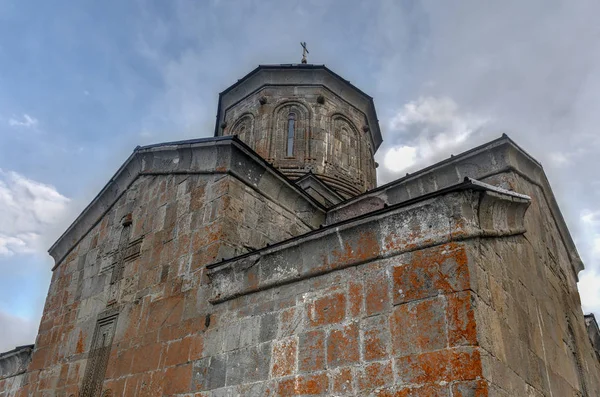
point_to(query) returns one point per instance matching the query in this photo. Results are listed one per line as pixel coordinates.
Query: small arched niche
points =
(244, 129)
(345, 150)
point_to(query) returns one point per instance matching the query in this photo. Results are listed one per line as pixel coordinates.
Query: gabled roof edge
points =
(128, 172)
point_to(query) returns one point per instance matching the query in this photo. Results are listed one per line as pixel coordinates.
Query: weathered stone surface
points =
(490, 163)
(391, 232)
(15, 362)
(230, 283)
(329, 140)
(213, 156)
(593, 332)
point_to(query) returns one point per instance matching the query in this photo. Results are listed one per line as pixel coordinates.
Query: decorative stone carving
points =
(98, 357)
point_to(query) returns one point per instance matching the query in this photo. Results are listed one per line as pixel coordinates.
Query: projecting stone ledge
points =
(15, 362)
(467, 210)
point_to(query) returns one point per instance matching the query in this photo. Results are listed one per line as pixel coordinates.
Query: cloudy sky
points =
(82, 83)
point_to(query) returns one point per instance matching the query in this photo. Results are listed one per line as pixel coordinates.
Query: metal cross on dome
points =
(304, 51)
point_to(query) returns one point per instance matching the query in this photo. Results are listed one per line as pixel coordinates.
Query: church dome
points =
(305, 118)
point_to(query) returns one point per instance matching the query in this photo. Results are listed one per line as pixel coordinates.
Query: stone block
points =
(430, 272)
(178, 352)
(178, 379)
(248, 365)
(311, 351)
(343, 346)
(375, 338)
(342, 381)
(418, 327)
(445, 365)
(283, 358)
(327, 310)
(269, 324)
(377, 289)
(304, 385)
(462, 329)
(209, 373)
(375, 375)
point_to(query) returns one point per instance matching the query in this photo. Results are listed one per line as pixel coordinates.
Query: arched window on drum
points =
(346, 149)
(291, 133)
(244, 129)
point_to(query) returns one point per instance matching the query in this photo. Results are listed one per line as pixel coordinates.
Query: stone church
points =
(266, 261)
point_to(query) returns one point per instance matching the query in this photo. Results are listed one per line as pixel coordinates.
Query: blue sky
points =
(82, 83)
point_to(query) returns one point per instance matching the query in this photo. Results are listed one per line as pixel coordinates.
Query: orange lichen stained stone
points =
(178, 379)
(343, 346)
(418, 327)
(377, 287)
(307, 385)
(436, 270)
(442, 365)
(376, 339)
(284, 357)
(377, 374)
(355, 298)
(343, 380)
(311, 353)
(327, 310)
(461, 319)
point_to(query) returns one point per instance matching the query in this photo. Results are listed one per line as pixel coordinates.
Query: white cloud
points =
(426, 111)
(27, 209)
(559, 159)
(16, 331)
(589, 291)
(590, 217)
(400, 158)
(428, 128)
(26, 122)
(589, 279)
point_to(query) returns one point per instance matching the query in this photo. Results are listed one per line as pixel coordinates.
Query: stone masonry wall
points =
(466, 292)
(529, 313)
(512, 301)
(382, 306)
(377, 329)
(13, 365)
(10, 386)
(180, 223)
(531, 321)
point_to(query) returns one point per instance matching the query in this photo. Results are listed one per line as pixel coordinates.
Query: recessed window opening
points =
(290, 134)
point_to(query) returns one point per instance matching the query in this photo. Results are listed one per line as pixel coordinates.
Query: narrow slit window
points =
(290, 134)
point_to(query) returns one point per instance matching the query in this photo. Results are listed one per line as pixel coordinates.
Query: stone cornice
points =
(467, 210)
(221, 155)
(14, 362)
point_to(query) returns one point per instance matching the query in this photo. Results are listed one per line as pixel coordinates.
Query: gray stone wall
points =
(421, 287)
(530, 323)
(329, 137)
(11, 386)
(379, 306)
(143, 263)
(13, 365)
(530, 319)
